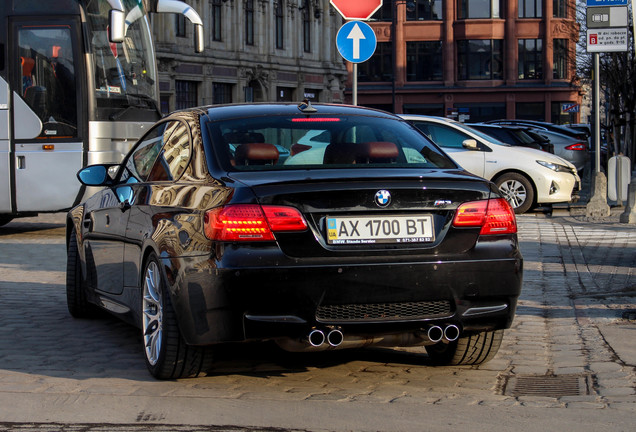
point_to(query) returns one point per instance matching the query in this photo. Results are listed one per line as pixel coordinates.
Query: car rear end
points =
(368, 235)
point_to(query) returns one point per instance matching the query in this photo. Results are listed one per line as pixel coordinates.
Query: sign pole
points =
(355, 83)
(597, 113)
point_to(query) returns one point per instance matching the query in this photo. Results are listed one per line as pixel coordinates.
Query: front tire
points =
(471, 350)
(166, 353)
(76, 301)
(517, 190)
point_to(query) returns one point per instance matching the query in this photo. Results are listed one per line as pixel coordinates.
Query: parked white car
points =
(525, 176)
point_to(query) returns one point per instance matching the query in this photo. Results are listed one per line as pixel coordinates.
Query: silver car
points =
(571, 149)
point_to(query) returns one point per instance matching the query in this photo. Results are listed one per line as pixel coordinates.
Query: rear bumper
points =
(216, 304)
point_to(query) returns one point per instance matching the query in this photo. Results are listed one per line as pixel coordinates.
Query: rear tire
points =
(517, 190)
(76, 301)
(166, 352)
(471, 350)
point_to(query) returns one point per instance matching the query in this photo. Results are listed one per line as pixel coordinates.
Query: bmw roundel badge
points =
(383, 198)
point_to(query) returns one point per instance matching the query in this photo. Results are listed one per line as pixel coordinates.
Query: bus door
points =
(47, 116)
(5, 149)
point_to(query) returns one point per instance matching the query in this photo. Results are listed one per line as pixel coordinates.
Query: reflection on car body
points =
(328, 228)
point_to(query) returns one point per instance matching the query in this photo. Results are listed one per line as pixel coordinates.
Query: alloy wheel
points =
(514, 192)
(152, 309)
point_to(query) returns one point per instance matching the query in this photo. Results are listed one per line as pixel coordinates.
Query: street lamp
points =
(410, 7)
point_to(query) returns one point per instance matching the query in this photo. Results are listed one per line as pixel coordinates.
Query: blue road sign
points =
(607, 2)
(356, 41)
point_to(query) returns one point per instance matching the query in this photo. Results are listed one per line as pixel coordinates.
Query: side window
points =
(142, 159)
(446, 137)
(48, 82)
(173, 159)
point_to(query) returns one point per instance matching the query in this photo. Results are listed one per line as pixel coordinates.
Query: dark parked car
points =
(366, 234)
(514, 135)
(578, 134)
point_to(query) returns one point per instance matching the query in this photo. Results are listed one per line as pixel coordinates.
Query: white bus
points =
(78, 86)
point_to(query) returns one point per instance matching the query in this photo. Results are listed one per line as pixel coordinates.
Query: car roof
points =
(227, 111)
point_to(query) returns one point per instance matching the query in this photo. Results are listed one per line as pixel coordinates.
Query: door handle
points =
(21, 162)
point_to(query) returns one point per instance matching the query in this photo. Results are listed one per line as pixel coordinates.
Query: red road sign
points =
(356, 9)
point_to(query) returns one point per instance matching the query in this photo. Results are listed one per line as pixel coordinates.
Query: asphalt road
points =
(557, 368)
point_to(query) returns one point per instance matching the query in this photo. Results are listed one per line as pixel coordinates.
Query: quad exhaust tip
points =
(316, 337)
(335, 337)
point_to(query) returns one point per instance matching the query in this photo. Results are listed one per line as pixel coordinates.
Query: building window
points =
(479, 112)
(530, 110)
(186, 94)
(425, 10)
(560, 58)
(312, 94)
(217, 20)
(249, 22)
(479, 9)
(424, 61)
(164, 102)
(306, 26)
(480, 59)
(530, 59)
(530, 8)
(180, 25)
(221, 93)
(280, 23)
(385, 13)
(379, 67)
(560, 8)
(284, 94)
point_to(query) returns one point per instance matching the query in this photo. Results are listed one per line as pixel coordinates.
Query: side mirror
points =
(470, 144)
(116, 26)
(94, 175)
(199, 44)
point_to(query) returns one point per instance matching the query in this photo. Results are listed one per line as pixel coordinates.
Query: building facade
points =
(256, 51)
(474, 60)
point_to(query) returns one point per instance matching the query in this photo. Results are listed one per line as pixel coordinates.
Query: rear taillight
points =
(494, 216)
(577, 147)
(251, 222)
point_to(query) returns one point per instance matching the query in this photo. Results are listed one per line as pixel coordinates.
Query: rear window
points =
(302, 142)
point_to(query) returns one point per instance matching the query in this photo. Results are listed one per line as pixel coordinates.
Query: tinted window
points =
(175, 155)
(289, 142)
(140, 163)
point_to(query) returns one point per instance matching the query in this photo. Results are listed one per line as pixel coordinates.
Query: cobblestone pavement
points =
(579, 279)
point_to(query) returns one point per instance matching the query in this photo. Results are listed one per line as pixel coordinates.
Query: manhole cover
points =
(546, 385)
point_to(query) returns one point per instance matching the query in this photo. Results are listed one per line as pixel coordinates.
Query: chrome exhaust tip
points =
(435, 333)
(335, 337)
(451, 332)
(316, 338)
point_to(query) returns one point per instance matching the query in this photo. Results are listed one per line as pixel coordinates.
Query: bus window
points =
(48, 80)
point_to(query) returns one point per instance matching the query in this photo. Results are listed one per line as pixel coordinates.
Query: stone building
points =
(474, 59)
(256, 51)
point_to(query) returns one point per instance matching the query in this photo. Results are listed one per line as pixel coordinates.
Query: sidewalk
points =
(598, 258)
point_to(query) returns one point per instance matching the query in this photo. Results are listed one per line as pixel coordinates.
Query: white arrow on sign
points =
(356, 34)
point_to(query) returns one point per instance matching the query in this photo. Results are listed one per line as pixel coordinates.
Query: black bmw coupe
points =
(318, 227)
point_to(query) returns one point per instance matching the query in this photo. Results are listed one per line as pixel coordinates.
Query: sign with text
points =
(607, 40)
(607, 2)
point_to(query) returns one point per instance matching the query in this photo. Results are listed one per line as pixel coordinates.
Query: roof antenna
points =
(305, 106)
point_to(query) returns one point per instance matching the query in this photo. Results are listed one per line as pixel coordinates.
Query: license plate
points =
(380, 229)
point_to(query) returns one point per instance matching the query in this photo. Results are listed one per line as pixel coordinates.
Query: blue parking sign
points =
(606, 2)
